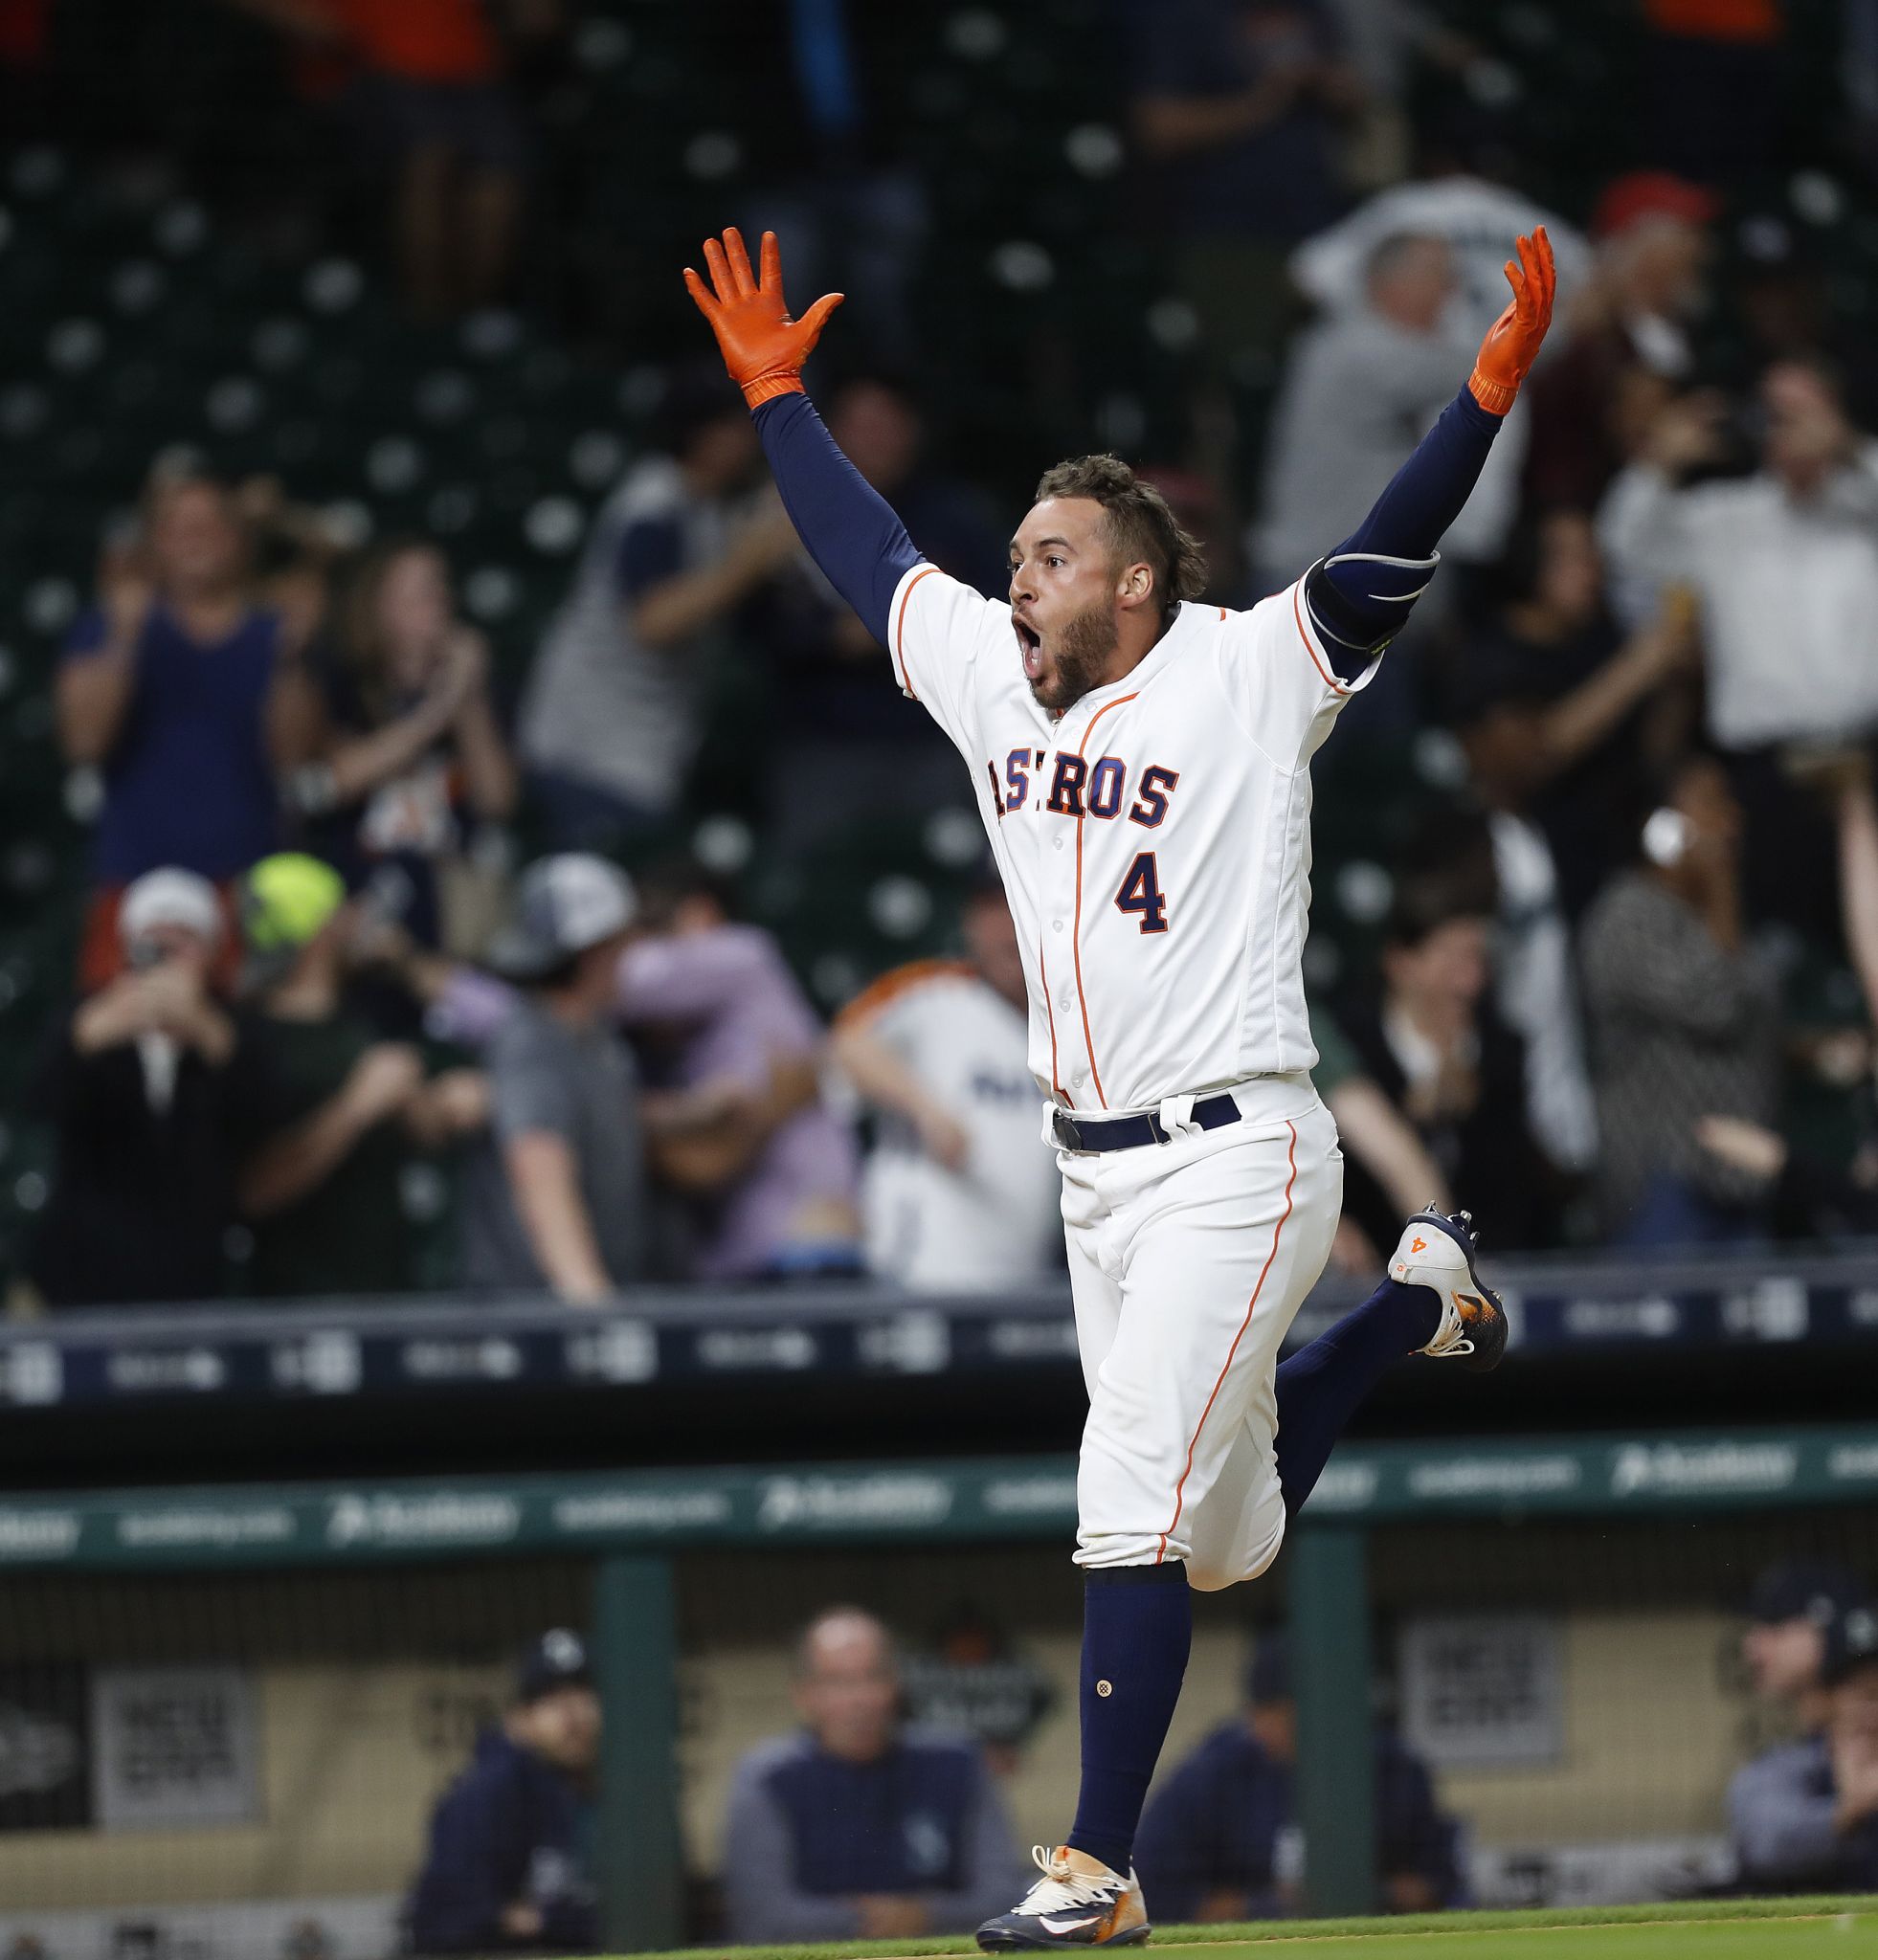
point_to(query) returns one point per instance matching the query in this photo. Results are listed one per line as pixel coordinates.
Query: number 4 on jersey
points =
(1141, 893)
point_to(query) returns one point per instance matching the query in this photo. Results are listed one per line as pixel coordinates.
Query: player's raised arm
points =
(850, 531)
(1360, 594)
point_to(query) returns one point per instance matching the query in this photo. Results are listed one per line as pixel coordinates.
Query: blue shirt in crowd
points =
(511, 1828)
(809, 1832)
(189, 781)
(1279, 182)
(1214, 1826)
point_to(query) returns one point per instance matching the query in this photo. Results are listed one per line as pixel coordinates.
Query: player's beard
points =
(1085, 643)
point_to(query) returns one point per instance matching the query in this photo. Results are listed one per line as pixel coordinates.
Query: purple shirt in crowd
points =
(737, 1009)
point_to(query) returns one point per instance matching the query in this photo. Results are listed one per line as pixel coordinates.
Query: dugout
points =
(261, 1690)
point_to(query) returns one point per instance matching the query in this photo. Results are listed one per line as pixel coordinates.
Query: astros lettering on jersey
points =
(1153, 839)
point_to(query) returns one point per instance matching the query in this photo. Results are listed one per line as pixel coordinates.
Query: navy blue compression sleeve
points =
(1358, 602)
(849, 528)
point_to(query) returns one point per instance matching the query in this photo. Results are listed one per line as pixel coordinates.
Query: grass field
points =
(1727, 1929)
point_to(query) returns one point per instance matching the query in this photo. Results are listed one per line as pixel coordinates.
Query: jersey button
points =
(1058, 843)
(1063, 1002)
(1057, 923)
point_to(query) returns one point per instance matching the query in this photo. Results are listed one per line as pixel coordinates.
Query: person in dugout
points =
(507, 1870)
(1220, 1839)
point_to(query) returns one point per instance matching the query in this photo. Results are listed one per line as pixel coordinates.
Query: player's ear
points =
(1135, 586)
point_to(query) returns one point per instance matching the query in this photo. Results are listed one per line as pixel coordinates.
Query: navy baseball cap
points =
(558, 1659)
(1268, 1679)
(1851, 1642)
(1804, 1589)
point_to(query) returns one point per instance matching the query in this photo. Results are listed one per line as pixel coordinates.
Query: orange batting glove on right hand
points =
(762, 346)
(1512, 342)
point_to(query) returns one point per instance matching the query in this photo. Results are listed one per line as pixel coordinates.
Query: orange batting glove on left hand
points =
(762, 346)
(1512, 342)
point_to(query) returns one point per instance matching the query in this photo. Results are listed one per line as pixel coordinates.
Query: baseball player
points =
(1142, 768)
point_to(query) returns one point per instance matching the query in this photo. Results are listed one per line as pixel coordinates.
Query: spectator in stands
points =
(324, 1189)
(1810, 1195)
(856, 1826)
(416, 763)
(435, 116)
(1361, 388)
(957, 1195)
(611, 715)
(186, 694)
(1238, 108)
(1683, 1020)
(557, 1196)
(508, 1869)
(1629, 345)
(1850, 1671)
(1381, 1141)
(1783, 563)
(1785, 566)
(1433, 1041)
(824, 125)
(846, 750)
(1565, 722)
(735, 1120)
(1473, 218)
(29, 107)
(1219, 1839)
(1783, 1806)
(294, 547)
(154, 1094)
(731, 1111)
(1856, 800)
(1713, 115)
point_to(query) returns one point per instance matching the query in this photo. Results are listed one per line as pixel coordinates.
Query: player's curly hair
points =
(1142, 526)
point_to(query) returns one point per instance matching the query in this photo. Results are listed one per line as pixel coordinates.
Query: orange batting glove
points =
(762, 346)
(1512, 342)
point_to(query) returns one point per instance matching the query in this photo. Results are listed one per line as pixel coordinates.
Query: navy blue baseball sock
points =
(1321, 1386)
(1137, 1627)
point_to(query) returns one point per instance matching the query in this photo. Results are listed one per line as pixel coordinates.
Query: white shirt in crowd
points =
(995, 1222)
(1788, 592)
(600, 707)
(1537, 994)
(1475, 217)
(1475, 220)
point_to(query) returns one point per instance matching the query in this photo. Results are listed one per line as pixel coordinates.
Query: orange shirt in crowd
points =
(24, 26)
(422, 40)
(1716, 20)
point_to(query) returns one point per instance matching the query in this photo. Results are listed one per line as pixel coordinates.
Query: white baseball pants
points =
(1188, 1260)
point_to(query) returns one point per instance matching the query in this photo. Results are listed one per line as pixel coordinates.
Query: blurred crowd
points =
(367, 1000)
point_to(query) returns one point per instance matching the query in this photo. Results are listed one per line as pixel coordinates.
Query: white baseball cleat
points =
(1437, 1250)
(1068, 1907)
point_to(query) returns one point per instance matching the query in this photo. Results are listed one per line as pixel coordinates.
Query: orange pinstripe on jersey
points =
(898, 981)
(1193, 1441)
(1297, 613)
(1043, 974)
(900, 629)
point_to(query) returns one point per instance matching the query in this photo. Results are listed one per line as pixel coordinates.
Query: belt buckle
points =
(1063, 1132)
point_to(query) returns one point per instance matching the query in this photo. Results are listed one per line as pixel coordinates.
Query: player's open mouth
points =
(1030, 645)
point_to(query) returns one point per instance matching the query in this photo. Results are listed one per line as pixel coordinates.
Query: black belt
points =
(1124, 1132)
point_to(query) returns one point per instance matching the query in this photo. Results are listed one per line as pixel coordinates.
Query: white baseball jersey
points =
(998, 1220)
(1154, 841)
